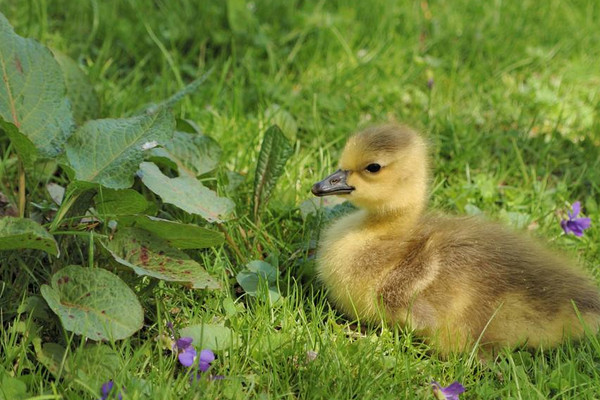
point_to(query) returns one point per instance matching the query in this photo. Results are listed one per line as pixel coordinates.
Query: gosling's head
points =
(382, 169)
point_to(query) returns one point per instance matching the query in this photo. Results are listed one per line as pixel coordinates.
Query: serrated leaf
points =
(150, 255)
(85, 103)
(109, 151)
(274, 153)
(119, 202)
(193, 153)
(211, 336)
(186, 193)
(23, 233)
(176, 234)
(94, 302)
(32, 96)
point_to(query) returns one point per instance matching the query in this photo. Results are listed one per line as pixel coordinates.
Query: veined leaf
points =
(186, 193)
(33, 100)
(119, 202)
(109, 151)
(94, 302)
(149, 255)
(274, 153)
(23, 233)
(193, 153)
(176, 234)
(84, 100)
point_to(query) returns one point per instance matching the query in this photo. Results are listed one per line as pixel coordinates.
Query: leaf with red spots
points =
(150, 255)
(34, 110)
(22, 233)
(94, 302)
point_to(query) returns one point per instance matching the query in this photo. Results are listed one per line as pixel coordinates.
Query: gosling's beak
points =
(333, 184)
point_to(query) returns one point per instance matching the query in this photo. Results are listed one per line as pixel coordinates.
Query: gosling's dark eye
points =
(373, 167)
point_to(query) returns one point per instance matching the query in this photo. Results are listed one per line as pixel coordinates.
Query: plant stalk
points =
(231, 242)
(22, 187)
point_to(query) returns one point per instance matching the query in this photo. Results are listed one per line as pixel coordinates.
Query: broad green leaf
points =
(23, 233)
(94, 302)
(25, 147)
(211, 336)
(186, 193)
(176, 234)
(119, 202)
(12, 388)
(274, 153)
(51, 356)
(32, 96)
(84, 100)
(193, 153)
(95, 364)
(109, 151)
(276, 115)
(257, 276)
(263, 269)
(254, 284)
(149, 255)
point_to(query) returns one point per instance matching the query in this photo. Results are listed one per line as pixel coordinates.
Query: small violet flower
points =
(206, 357)
(106, 390)
(185, 350)
(574, 224)
(447, 393)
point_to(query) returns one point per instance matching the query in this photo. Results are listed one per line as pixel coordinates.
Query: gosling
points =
(455, 281)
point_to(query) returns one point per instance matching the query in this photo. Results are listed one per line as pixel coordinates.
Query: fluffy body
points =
(455, 281)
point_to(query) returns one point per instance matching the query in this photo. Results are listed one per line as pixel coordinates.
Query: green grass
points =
(513, 118)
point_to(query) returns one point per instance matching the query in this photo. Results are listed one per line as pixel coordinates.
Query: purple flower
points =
(206, 357)
(186, 352)
(574, 224)
(447, 393)
(107, 389)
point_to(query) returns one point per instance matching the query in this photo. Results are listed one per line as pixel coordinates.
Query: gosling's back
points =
(487, 283)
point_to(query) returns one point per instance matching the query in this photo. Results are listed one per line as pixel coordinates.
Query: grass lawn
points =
(506, 92)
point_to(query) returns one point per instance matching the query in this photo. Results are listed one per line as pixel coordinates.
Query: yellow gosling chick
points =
(455, 281)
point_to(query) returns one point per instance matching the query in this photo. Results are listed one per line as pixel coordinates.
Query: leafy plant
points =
(100, 160)
(259, 277)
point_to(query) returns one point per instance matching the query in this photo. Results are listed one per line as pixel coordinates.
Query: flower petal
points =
(454, 389)
(583, 223)
(576, 208)
(106, 388)
(207, 355)
(564, 224)
(184, 342)
(186, 357)
(203, 366)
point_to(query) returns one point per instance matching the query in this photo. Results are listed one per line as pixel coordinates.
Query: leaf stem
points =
(231, 242)
(22, 195)
(62, 211)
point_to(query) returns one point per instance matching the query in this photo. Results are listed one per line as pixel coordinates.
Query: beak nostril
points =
(334, 181)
